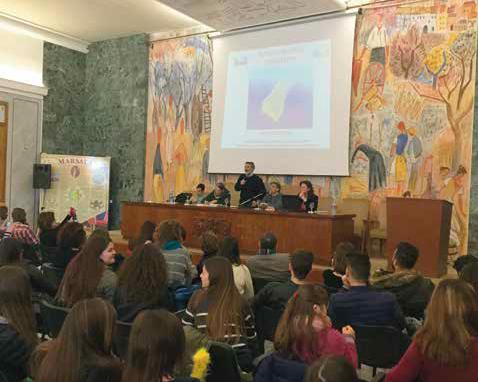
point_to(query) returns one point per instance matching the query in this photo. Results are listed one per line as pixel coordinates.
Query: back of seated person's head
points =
(16, 303)
(451, 323)
(305, 311)
(71, 235)
(19, 215)
(358, 267)
(209, 243)
(143, 275)
(3, 212)
(462, 261)
(331, 369)
(229, 248)
(84, 271)
(268, 243)
(405, 256)
(46, 220)
(154, 354)
(167, 231)
(11, 251)
(469, 273)
(146, 231)
(340, 253)
(85, 339)
(100, 232)
(301, 263)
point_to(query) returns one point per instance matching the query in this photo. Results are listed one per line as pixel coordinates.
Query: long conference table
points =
(319, 233)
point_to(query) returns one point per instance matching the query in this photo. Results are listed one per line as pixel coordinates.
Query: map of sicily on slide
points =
(281, 98)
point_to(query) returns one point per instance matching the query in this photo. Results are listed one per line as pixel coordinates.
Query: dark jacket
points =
(110, 372)
(223, 200)
(253, 189)
(48, 237)
(310, 204)
(14, 354)
(39, 283)
(128, 310)
(275, 368)
(65, 255)
(275, 295)
(412, 290)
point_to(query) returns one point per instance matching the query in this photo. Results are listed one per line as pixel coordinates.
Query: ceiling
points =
(96, 20)
(225, 15)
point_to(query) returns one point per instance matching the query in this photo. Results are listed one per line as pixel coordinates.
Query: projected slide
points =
(278, 96)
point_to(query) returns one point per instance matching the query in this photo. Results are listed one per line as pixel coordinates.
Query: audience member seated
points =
(446, 347)
(462, 261)
(305, 334)
(142, 283)
(242, 277)
(308, 200)
(362, 305)
(71, 238)
(18, 336)
(273, 198)
(220, 195)
(145, 235)
(221, 313)
(48, 229)
(267, 264)
(3, 218)
(83, 349)
(209, 247)
(153, 355)
(181, 270)
(412, 290)
(333, 278)
(331, 369)
(470, 274)
(200, 194)
(88, 275)
(275, 294)
(21, 231)
(11, 253)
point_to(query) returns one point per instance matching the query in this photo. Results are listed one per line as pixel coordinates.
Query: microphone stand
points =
(250, 199)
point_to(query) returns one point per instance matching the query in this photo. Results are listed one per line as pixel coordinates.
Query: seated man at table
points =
(412, 290)
(276, 294)
(200, 194)
(362, 305)
(220, 195)
(267, 264)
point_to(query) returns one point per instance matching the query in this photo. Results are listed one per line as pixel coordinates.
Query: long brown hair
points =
(144, 274)
(451, 322)
(85, 339)
(146, 233)
(46, 220)
(16, 303)
(225, 305)
(296, 335)
(168, 230)
(84, 272)
(156, 345)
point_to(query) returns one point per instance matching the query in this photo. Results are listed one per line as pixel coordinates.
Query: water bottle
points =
(171, 197)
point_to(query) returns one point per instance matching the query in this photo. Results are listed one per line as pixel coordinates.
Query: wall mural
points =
(411, 122)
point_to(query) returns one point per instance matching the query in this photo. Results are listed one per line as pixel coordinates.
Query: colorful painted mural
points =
(411, 122)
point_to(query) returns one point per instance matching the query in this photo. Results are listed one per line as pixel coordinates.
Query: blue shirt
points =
(361, 305)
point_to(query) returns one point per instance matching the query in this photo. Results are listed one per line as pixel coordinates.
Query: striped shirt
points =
(23, 233)
(181, 270)
(196, 316)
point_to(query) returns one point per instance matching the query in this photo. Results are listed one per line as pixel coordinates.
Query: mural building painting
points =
(413, 76)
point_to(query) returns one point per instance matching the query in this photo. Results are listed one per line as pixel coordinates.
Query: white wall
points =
(21, 58)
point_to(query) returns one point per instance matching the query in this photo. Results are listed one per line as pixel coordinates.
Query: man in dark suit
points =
(250, 185)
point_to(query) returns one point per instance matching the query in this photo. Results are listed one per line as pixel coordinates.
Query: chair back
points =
(121, 339)
(267, 320)
(378, 346)
(53, 274)
(259, 283)
(224, 365)
(53, 316)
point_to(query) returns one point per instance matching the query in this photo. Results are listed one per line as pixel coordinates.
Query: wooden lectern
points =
(425, 223)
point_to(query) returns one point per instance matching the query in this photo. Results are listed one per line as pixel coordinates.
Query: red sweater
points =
(413, 365)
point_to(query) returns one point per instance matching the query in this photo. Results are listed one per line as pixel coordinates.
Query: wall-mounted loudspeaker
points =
(42, 175)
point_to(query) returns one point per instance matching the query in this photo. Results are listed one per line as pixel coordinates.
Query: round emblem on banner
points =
(75, 171)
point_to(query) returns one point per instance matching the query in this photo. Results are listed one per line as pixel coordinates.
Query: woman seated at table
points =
(220, 195)
(273, 199)
(308, 199)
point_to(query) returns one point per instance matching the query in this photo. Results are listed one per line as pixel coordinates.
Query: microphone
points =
(251, 199)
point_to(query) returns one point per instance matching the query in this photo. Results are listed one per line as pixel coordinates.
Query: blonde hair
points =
(451, 322)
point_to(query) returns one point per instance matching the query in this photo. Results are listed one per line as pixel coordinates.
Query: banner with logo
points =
(78, 182)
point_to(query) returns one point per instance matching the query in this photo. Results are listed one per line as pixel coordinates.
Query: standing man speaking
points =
(250, 185)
